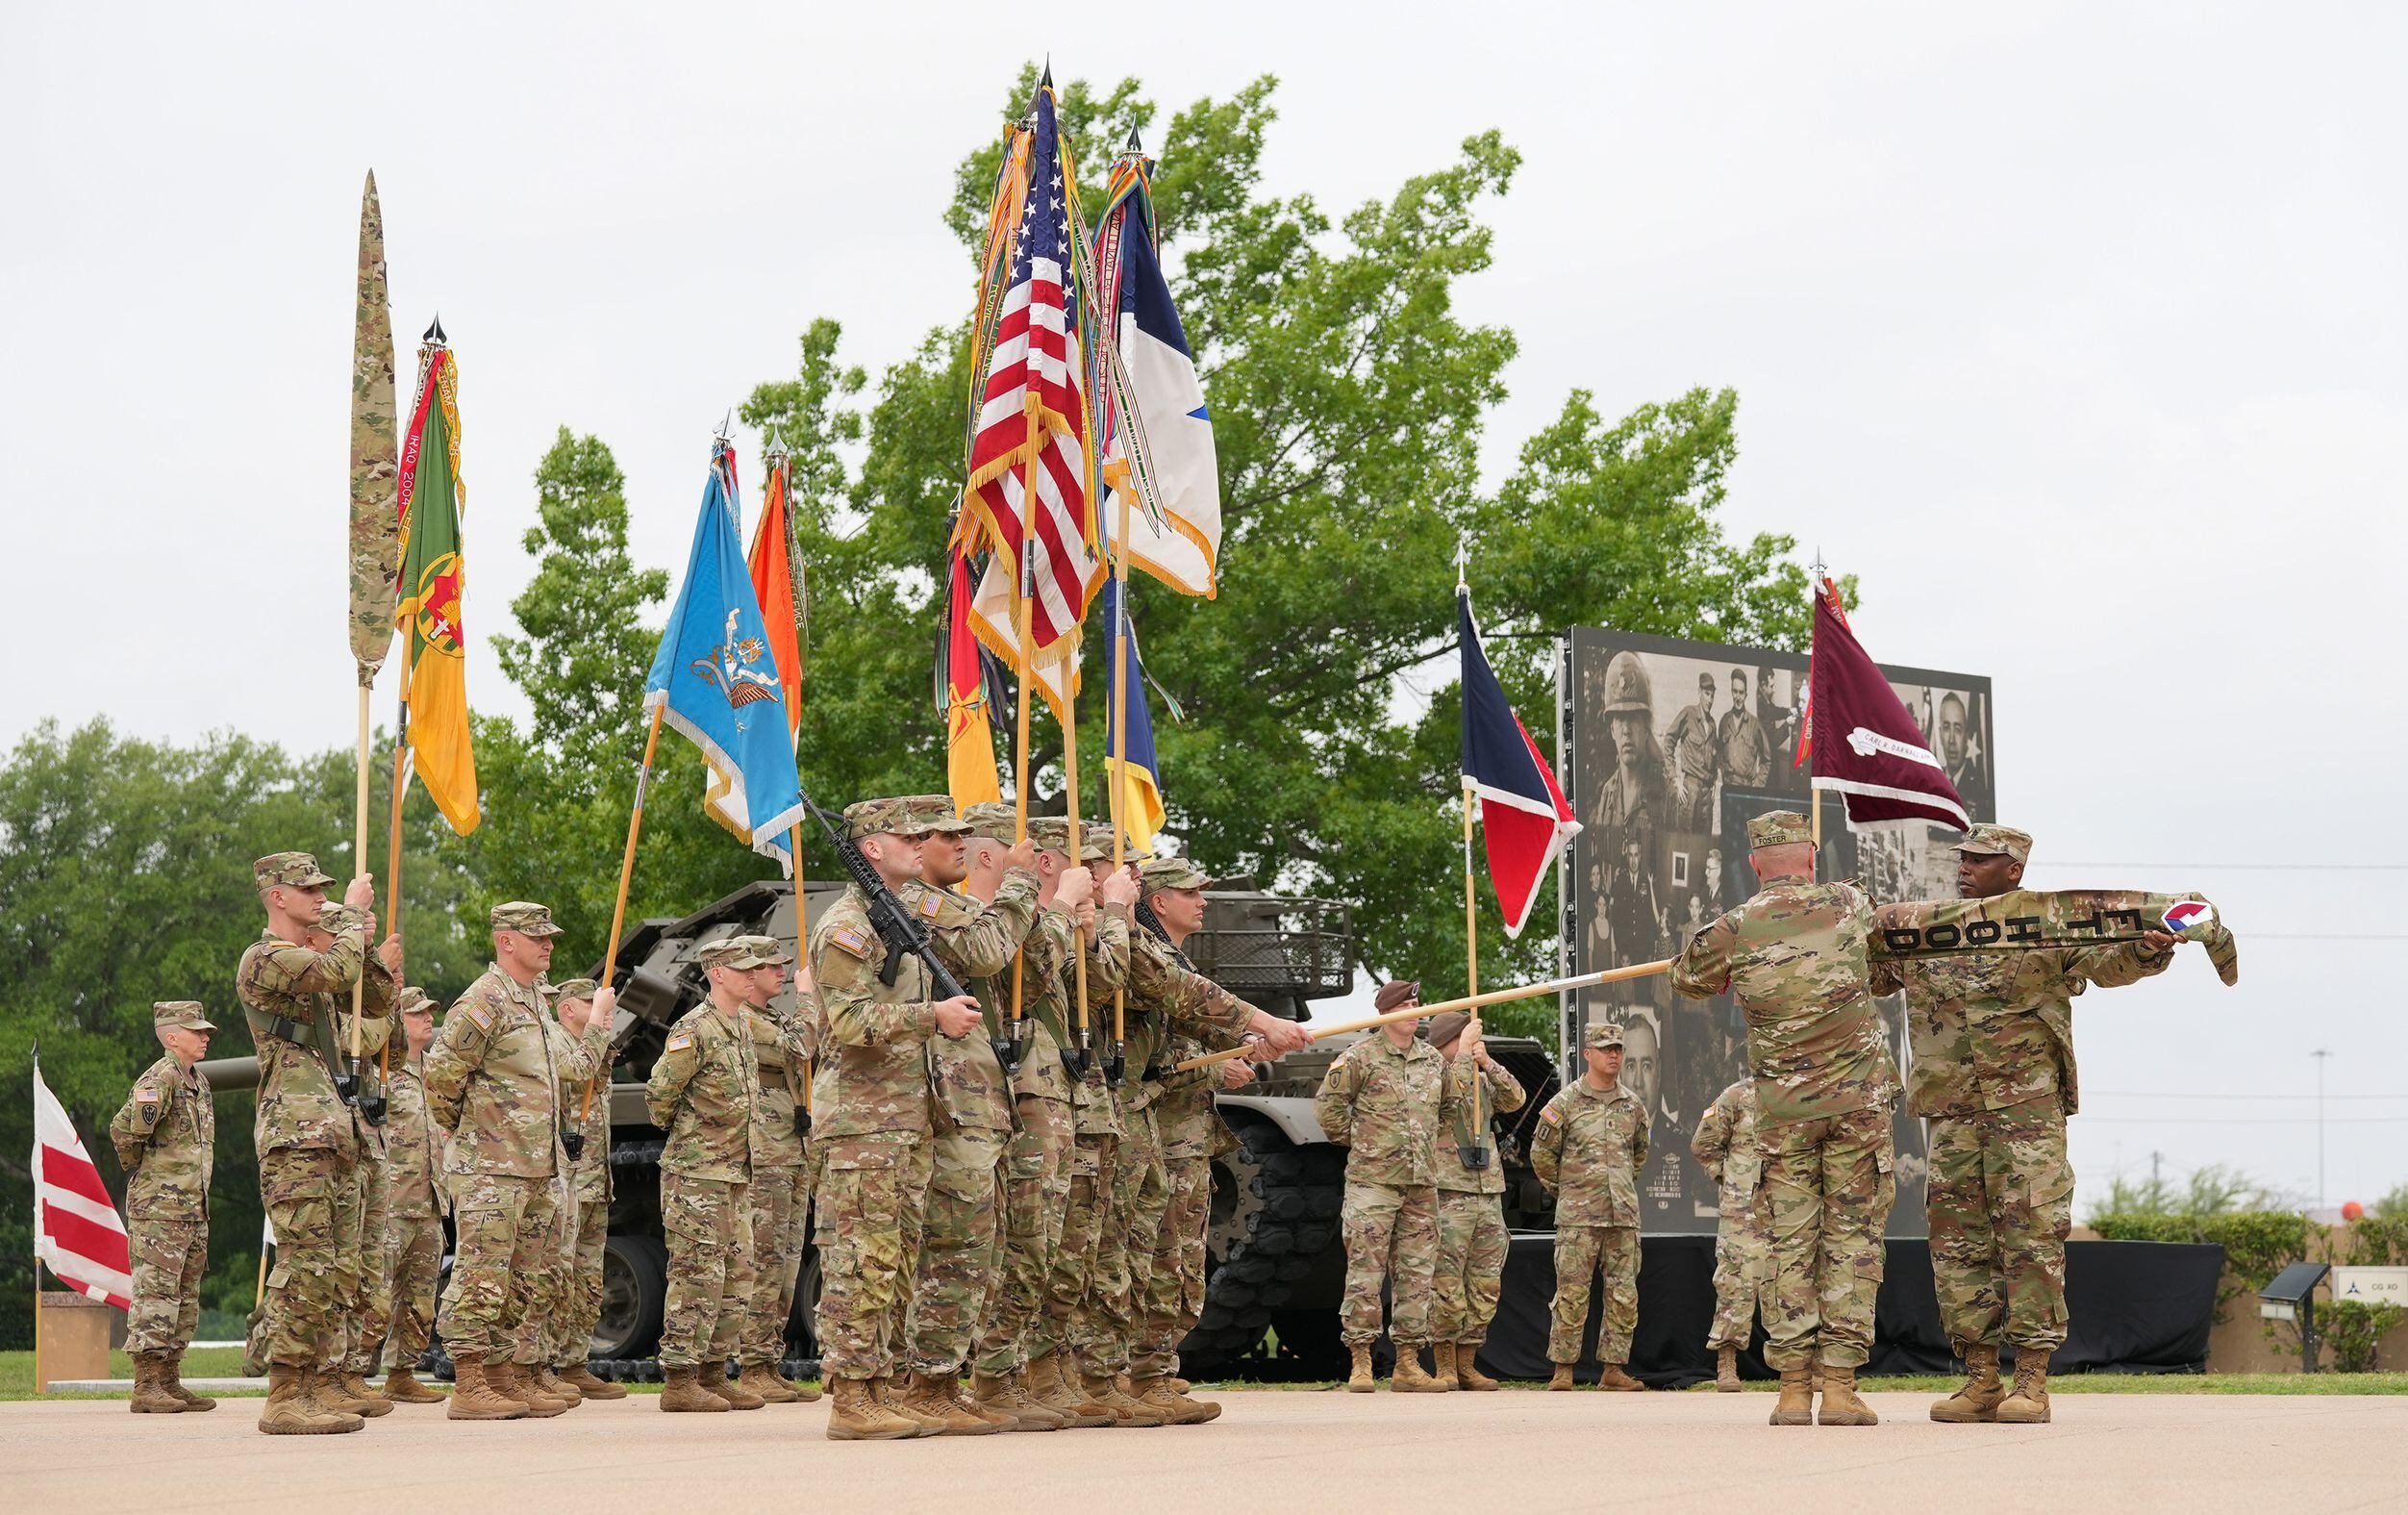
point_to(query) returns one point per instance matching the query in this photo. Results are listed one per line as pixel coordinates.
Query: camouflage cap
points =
(1602, 1035)
(297, 869)
(936, 813)
(415, 1000)
(737, 951)
(1627, 691)
(1997, 840)
(575, 989)
(768, 948)
(991, 819)
(1096, 844)
(185, 1013)
(524, 917)
(871, 817)
(1393, 993)
(1168, 872)
(1050, 833)
(1778, 828)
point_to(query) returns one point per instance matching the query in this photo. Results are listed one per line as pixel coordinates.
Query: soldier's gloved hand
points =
(955, 1017)
(1119, 889)
(359, 892)
(1280, 1036)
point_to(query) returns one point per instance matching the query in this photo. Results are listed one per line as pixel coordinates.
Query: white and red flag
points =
(1524, 816)
(1860, 740)
(77, 1230)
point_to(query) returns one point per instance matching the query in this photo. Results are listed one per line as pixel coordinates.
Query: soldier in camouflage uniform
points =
(1169, 911)
(1993, 1072)
(1590, 1144)
(165, 1136)
(587, 1210)
(413, 1223)
(779, 1195)
(706, 1092)
(1471, 1237)
(360, 1210)
(492, 1080)
(294, 998)
(1725, 1145)
(1795, 956)
(1379, 1101)
(871, 1122)
(959, 1244)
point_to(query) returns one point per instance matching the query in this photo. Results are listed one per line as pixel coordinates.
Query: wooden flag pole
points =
(1471, 957)
(627, 870)
(1116, 772)
(393, 843)
(1554, 986)
(1021, 591)
(360, 856)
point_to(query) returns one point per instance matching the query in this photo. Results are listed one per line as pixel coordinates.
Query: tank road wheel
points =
(634, 1285)
(1274, 1213)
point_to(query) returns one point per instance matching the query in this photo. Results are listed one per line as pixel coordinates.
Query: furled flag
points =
(1134, 771)
(778, 587)
(1864, 744)
(1523, 815)
(436, 649)
(1030, 424)
(77, 1231)
(970, 738)
(1156, 435)
(718, 684)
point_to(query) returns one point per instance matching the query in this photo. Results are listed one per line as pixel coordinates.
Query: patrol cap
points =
(297, 869)
(1158, 874)
(1991, 841)
(936, 813)
(768, 948)
(1778, 828)
(1395, 993)
(185, 1013)
(991, 819)
(1442, 1029)
(892, 817)
(1098, 846)
(1051, 833)
(415, 1000)
(1602, 1035)
(575, 989)
(524, 917)
(737, 951)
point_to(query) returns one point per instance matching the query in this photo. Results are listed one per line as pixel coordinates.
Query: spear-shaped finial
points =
(1044, 81)
(1133, 147)
(725, 421)
(1818, 569)
(1463, 557)
(434, 336)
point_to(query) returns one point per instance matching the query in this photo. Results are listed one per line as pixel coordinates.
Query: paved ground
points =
(1314, 1453)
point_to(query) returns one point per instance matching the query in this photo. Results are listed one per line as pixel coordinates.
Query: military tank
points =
(1276, 1268)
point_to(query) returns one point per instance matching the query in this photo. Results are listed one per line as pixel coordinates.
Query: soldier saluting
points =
(165, 1136)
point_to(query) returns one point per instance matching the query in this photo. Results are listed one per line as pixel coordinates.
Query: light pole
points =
(2320, 1054)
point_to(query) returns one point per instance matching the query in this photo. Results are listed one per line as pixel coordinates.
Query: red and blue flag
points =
(1523, 815)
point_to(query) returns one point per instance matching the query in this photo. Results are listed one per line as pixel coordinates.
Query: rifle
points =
(897, 928)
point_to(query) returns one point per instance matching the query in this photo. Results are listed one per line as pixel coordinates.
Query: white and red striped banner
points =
(77, 1230)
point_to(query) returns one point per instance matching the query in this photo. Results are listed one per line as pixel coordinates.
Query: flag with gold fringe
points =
(435, 641)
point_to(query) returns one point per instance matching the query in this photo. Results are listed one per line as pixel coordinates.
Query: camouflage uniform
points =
(1381, 1103)
(959, 1242)
(1726, 1147)
(1993, 1073)
(1795, 957)
(371, 1303)
(167, 1136)
(539, 1341)
(304, 1135)
(414, 1249)
(1588, 1149)
(589, 1192)
(1088, 1298)
(780, 1195)
(1471, 1239)
(492, 1080)
(706, 1092)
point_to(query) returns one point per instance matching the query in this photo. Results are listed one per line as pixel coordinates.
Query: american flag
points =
(1036, 356)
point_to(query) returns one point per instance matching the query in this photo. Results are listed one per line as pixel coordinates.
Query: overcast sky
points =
(2074, 330)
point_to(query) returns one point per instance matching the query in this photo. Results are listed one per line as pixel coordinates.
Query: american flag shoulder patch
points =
(1551, 1115)
(852, 940)
(932, 904)
(679, 1042)
(476, 1012)
(146, 1096)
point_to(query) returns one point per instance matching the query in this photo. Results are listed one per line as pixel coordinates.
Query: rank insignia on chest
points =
(932, 905)
(854, 942)
(679, 1042)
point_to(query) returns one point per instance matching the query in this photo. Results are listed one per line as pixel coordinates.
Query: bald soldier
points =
(1795, 956)
(874, 1123)
(294, 997)
(493, 1082)
(166, 1138)
(1993, 1073)
(415, 1207)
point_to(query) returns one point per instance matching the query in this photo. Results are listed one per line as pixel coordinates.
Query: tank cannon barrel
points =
(226, 1075)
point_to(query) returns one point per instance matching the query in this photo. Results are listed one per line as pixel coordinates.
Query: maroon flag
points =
(1866, 745)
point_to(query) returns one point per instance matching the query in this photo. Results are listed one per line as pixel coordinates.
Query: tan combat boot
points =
(1106, 1390)
(1617, 1379)
(1063, 1393)
(765, 1387)
(936, 1398)
(474, 1396)
(326, 1388)
(172, 1380)
(149, 1398)
(1359, 1379)
(1561, 1379)
(1442, 1361)
(894, 1395)
(580, 1378)
(1410, 1378)
(1468, 1371)
(1839, 1404)
(402, 1387)
(1797, 1404)
(552, 1385)
(682, 1394)
(1978, 1400)
(1003, 1396)
(291, 1412)
(1726, 1370)
(853, 1415)
(540, 1403)
(1174, 1407)
(357, 1390)
(712, 1376)
(2028, 1404)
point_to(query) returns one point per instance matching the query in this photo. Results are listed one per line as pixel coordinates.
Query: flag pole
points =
(1471, 908)
(1116, 772)
(42, 1385)
(627, 872)
(1021, 589)
(1813, 796)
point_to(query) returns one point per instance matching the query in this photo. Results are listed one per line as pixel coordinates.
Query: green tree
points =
(1349, 400)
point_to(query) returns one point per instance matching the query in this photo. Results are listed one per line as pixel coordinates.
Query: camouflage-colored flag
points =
(375, 551)
(2052, 918)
